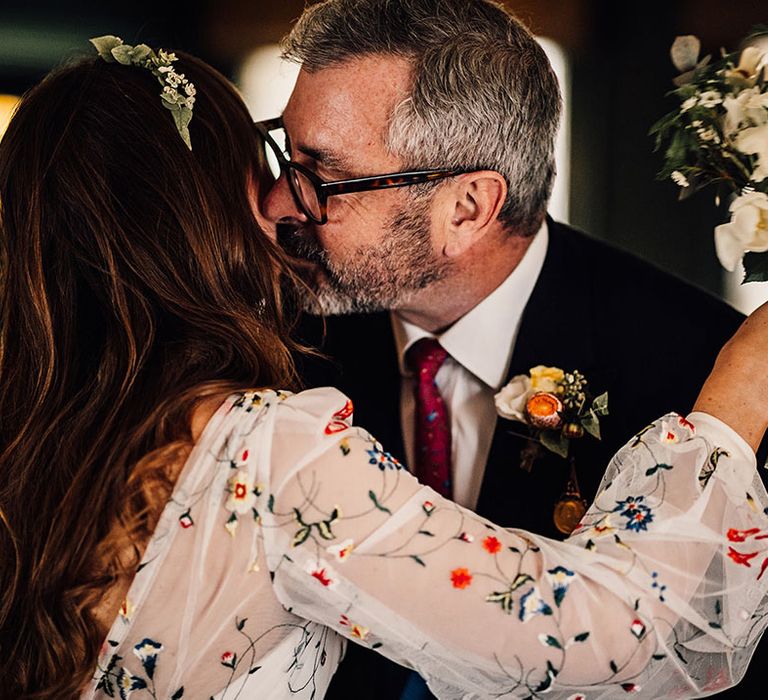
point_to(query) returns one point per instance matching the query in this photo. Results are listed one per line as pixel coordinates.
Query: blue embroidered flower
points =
(382, 459)
(560, 578)
(127, 683)
(637, 514)
(532, 604)
(147, 650)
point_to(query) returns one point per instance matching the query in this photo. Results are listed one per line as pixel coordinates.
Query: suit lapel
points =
(555, 330)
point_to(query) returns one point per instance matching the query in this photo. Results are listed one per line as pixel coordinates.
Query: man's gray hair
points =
(484, 96)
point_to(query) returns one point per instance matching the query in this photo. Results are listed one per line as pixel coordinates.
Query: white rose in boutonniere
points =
(746, 232)
(510, 401)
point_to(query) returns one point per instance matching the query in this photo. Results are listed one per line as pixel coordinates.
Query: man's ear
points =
(475, 202)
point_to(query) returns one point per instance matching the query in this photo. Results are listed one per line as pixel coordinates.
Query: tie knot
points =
(425, 357)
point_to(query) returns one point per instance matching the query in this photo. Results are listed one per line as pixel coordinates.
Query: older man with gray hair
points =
(417, 160)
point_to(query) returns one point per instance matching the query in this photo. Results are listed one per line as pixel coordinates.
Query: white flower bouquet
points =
(719, 135)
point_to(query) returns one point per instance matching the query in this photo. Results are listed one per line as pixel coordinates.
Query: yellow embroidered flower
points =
(546, 378)
(357, 631)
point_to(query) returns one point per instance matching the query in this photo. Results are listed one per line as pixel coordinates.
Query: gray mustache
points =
(300, 242)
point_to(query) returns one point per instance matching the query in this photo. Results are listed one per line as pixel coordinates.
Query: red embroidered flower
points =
(637, 628)
(340, 419)
(741, 558)
(630, 687)
(491, 545)
(735, 535)
(461, 578)
(244, 458)
(226, 657)
(185, 520)
(687, 424)
(321, 576)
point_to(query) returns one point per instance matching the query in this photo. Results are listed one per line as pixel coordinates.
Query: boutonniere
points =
(557, 407)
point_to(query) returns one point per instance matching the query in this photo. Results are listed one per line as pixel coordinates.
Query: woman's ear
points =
(475, 202)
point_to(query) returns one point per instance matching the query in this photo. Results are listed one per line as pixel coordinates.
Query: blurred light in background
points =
(7, 105)
(266, 82)
(558, 203)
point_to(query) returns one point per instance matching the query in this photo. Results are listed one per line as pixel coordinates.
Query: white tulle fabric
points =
(289, 530)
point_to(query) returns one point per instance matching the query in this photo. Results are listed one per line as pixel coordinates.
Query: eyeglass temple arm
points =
(361, 184)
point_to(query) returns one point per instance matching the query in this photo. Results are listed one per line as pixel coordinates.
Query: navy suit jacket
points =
(644, 336)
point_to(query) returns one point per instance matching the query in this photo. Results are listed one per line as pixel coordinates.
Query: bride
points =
(174, 523)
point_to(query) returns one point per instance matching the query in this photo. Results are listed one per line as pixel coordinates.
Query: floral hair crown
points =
(178, 93)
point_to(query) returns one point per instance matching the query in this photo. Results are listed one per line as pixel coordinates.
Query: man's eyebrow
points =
(330, 160)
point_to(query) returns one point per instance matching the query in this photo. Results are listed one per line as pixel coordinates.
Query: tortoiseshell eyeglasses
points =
(310, 192)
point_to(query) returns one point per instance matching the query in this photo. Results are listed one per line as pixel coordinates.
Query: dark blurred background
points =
(617, 56)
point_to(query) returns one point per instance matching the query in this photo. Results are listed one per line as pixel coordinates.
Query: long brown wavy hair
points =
(134, 282)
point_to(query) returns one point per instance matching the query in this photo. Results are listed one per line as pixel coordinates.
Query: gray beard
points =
(375, 277)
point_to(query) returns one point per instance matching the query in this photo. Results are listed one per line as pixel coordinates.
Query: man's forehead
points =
(352, 100)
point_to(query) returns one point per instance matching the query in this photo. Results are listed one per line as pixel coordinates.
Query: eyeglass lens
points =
(302, 187)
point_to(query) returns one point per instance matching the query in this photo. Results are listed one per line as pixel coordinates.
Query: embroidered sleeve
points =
(661, 590)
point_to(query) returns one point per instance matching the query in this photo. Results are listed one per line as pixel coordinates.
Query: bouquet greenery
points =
(719, 136)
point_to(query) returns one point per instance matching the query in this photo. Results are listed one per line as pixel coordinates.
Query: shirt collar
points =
(482, 340)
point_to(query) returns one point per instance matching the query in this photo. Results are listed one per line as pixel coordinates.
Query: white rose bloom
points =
(754, 141)
(510, 401)
(756, 103)
(746, 232)
(743, 110)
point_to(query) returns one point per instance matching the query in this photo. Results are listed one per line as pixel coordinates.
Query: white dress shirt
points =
(479, 346)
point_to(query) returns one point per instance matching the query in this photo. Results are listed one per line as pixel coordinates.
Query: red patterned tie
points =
(433, 431)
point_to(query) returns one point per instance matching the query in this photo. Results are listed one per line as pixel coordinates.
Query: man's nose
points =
(279, 204)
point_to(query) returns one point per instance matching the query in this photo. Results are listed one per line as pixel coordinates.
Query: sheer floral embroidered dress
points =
(289, 530)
